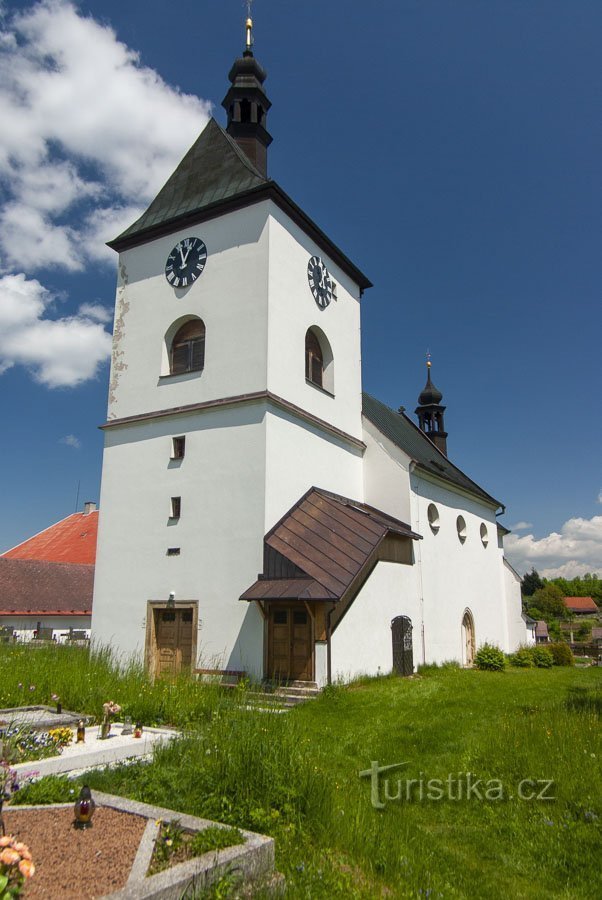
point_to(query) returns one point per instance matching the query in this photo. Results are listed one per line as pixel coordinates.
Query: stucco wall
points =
(517, 629)
(292, 310)
(221, 481)
(230, 297)
(362, 643)
(386, 474)
(456, 576)
(299, 456)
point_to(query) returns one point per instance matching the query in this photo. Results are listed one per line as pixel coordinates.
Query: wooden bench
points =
(234, 675)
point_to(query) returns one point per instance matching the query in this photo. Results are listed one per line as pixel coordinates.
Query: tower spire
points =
(430, 411)
(247, 105)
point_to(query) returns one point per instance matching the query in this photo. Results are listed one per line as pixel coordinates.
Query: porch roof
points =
(287, 589)
(331, 540)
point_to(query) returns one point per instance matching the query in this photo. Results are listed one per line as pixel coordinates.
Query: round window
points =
(484, 535)
(461, 526)
(433, 517)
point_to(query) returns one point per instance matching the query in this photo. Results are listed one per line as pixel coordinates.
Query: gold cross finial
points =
(428, 359)
(249, 25)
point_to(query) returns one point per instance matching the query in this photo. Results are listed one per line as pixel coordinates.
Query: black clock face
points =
(186, 262)
(320, 282)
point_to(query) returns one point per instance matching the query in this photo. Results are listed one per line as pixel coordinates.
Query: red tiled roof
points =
(72, 540)
(580, 604)
(35, 587)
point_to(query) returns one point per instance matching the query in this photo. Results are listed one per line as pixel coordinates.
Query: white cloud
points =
(95, 311)
(573, 551)
(521, 526)
(59, 352)
(89, 124)
(71, 441)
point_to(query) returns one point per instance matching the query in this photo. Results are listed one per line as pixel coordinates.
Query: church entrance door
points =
(290, 644)
(173, 630)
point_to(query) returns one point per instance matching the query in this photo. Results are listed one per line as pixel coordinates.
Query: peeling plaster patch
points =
(117, 364)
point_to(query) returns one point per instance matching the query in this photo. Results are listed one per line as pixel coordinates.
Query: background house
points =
(46, 582)
(581, 606)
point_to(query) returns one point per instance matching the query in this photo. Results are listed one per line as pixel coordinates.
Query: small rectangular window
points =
(176, 507)
(173, 551)
(178, 447)
(280, 617)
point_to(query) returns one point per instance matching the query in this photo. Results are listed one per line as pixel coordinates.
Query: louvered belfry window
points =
(314, 362)
(188, 348)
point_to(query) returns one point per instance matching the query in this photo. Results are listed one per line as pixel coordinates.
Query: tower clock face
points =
(186, 262)
(320, 283)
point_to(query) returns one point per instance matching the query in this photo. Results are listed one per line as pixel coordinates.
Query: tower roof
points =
(215, 177)
(215, 169)
(430, 394)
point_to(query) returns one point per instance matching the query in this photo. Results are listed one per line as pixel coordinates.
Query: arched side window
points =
(314, 360)
(187, 352)
(319, 362)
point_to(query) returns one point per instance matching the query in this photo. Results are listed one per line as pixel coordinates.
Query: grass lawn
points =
(296, 776)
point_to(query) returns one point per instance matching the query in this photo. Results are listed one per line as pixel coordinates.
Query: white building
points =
(237, 441)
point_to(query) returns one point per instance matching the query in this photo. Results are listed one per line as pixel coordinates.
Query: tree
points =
(531, 583)
(548, 601)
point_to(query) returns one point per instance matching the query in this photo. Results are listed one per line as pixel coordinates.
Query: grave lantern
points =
(84, 808)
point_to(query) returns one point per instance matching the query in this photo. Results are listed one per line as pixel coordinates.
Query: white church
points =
(258, 512)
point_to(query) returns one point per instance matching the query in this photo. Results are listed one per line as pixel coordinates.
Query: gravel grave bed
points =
(73, 864)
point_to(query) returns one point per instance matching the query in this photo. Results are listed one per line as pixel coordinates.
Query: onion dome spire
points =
(430, 412)
(247, 104)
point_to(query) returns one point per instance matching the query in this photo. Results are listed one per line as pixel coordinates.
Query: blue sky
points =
(450, 147)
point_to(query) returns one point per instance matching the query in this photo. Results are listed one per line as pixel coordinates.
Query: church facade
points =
(258, 512)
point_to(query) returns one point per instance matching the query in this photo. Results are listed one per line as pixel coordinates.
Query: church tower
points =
(235, 386)
(430, 413)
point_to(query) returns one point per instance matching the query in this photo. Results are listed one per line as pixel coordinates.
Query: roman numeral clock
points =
(186, 262)
(320, 282)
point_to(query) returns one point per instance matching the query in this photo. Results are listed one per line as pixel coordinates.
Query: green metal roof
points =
(409, 438)
(213, 170)
(216, 176)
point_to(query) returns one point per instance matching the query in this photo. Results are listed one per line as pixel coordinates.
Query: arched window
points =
(314, 359)
(187, 353)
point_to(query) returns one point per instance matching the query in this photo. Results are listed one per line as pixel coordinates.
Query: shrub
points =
(542, 658)
(561, 654)
(490, 657)
(522, 657)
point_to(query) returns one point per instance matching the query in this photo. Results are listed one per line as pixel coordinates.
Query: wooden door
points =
(290, 646)
(173, 630)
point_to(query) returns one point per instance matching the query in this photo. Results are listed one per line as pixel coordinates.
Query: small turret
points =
(430, 412)
(247, 105)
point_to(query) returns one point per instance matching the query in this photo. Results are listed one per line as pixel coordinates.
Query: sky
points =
(451, 148)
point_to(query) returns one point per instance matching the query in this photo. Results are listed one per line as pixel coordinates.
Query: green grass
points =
(295, 776)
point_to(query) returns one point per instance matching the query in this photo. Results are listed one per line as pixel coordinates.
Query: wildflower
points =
(5, 841)
(32, 687)
(27, 868)
(9, 857)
